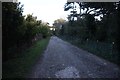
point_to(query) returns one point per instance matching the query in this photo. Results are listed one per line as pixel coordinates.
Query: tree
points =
(19, 30)
(89, 28)
(68, 6)
(12, 19)
(58, 24)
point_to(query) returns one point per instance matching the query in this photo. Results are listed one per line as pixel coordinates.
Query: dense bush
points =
(19, 30)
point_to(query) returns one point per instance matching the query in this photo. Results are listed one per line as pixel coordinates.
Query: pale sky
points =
(45, 10)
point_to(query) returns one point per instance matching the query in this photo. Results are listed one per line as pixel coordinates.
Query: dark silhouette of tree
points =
(12, 19)
(19, 30)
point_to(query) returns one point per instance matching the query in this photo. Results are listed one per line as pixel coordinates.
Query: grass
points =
(19, 67)
(101, 49)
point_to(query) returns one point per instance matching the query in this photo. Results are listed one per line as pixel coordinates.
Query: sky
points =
(45, 10)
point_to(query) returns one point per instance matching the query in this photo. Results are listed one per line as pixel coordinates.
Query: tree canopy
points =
(19, 30)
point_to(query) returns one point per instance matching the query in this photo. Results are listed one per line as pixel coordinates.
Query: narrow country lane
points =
(63, 60)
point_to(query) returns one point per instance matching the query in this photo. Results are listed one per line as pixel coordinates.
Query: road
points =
(63, 60)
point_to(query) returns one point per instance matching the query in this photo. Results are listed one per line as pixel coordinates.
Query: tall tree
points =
(11, 19)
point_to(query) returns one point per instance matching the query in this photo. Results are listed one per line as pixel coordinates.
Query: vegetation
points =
(24, 39)
(19, 31)
(20, 66)
(99, 36)
(58, 24)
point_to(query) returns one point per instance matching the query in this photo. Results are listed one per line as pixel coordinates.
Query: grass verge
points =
(19, 67)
